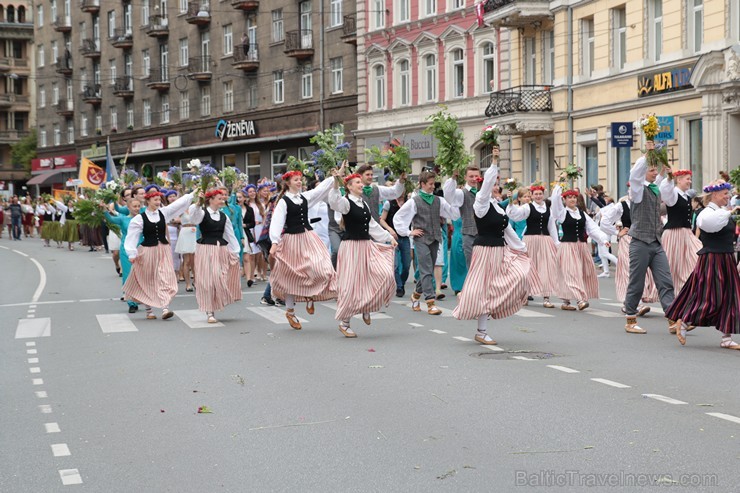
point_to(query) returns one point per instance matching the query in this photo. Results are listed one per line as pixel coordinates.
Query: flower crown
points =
(153, 193)
(534, 188)
(351, 177)
(290, 174)
(213, 193)
(568, 193)
(682, 172)
(718, 187)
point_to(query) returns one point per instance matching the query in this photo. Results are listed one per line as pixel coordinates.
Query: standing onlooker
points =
(16, 215)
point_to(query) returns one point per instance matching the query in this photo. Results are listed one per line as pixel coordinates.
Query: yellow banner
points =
(91, 175)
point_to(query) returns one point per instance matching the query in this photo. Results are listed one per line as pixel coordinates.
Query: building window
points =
(113, 71)
(111, 24)
(113, 112)
(57, 135)
(98, 121)
(42, 97)
(229, 96)
(337, 76)
(42, 137)
(130, 115)
(164, 116)
(430, 7)
(695, 151)
(70, 133)
(530, 62)
(456, 4)
(458, 73)
(379, 87)
(307, 81)
(205, 101)
(252, 93)
(184, 52)
(228, 40)
(619, 37)
(83, 79)
(145, 12)
(183, 6)
(54, 93)
(587, 46)
(378, 14)
(655, 29)
(592, 164)
(54, 52)
(337, 131)
(40, 15)
(184, 105)
(335, 13)
(735, 20)
(430, 78)
(549, 56)
(278, 87)
(147, 113)
(279, 159)
(253, 171)
(488, 67)
(695, 28)
(404, 82)
(83, 125)
(403, 11)
(278, 33)
(146, 62)
(40, 56)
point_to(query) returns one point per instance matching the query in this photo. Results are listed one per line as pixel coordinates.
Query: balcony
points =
(90, 48)
(349, 29)
(9, 99)
(122, 38)
(198, 13)
(522, 110)
(90, 6)
(245, 5)
(65, 108)
(92, 95)
(124, 87)
(11, 136)
(199, 68)
(63, 24)
(158, 26)
(299, 44)
(64, 66)
(516, 13)
(10, 63)
(159, 79)
(248, 61)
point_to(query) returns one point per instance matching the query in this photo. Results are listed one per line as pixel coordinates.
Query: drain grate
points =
(515, 355)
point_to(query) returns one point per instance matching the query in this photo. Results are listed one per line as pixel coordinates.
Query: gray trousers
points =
(425, 256)
(335, 239)
(643, 256)
(468, 248)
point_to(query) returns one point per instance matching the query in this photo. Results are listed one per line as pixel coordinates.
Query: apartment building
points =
(231, 82)
(16, 96)
(414, 55)
(580, 66)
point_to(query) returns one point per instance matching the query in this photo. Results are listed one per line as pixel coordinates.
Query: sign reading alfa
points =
(662, 82)
(235, 130)
(621, 134)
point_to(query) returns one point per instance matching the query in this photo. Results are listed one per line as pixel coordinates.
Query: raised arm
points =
(518, 212)
(196, 213)
(390, 193)
(668, 192)
(637, 178)
(337, 202)
(319, 193)
(483, 197)
(453, 195)
(177, 207)
(557, 208)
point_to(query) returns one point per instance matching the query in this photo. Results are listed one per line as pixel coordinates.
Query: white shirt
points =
(321, 210)
(558, 210)
(341, 205)
(637, 179)
(280, 212)
(669, 193)
(405, 215)
(61, 211)
(453, 195)
(521, 213)
(713, 218)
(609, 216)
(390, 193)
(197, 213)
(136, 226)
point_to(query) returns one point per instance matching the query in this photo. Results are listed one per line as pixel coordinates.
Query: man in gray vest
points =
(464, 198)
(646, 250)
(424, 211)
(374, 195)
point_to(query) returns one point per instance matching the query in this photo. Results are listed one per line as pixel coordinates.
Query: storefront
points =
(51, 173)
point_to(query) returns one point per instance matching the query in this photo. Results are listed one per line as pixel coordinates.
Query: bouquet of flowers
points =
(329, 154)
(451, 153)
(189, 181)
(129, 177)
(735, 177)
(159, 180)
(489, 135)
(46, 198)
(229, 176)
(511, 185)
(305, 167)
(208, 176)
(91, 213)
(397, 158)
(194, 165)
(648, 125)
(174, 174)
(109, 192)
(571, 173)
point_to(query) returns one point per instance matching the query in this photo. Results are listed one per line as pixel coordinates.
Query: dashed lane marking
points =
(33, 360)
(37, 381)
(196, 319)
(31, 351)
(60, 450)
(30, 344)
(564, 369)
(45, 409)
(463, 339)
(374, 316)
(52, 428)
(39, 327)
(611, 383)
(35, 369)
(437, 331)
(492, 348)
(116, 322)
(662, 398)
(727, 417)
(273, 315)
(415, 324)
(523, 358)
(523, 312)
(70, 476)
(41, 394)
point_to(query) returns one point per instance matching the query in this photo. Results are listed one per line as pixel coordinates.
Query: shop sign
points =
(174, 141)
(621, 134)
(57, 162)
(73, 183)
(663, 82)
(235, 130)
(94, 151)
(147, 145)
(420, 146)
(665, 128)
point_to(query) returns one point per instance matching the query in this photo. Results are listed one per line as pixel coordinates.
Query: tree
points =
(23, 151)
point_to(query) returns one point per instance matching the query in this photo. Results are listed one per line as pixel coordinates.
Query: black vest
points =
(392, 209)
(537, 221)
(626, 217)
(154, 233)
(679, 215)
(48, 216)
(68, 215)
(212, 232)
(296, 220)
(574, 230)
(491, 228)
(357, 221)
(719, 242)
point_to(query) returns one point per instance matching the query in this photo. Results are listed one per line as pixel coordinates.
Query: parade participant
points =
(248, 244)
(578, 276)
(133, 204)
(709, 298)
(541, 238)
(373, 194)
(424, 211)
(114, 241)
(403, 248)
(28, 217)
(47, 213)
(680, 244)
(233, 210)
(216, 255)
(261, 204)
(608, 226)
(173, 230)
(152, 280)
(463, 198)
(496, 286)
(302, 269)
(68, 231)
(185, 247)
(458, 262)
(364, 268)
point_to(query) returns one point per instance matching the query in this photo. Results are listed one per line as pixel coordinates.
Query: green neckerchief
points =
(473, 190)
(426, 197)
(654, 188)
(367, 190)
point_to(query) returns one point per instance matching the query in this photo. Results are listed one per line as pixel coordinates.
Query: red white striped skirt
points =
(680, 247)
(578, 272)
(497, 284)
(303, 268)
(152, 280)
(217, 275)
(365, 278)
(544, 273)
(649, 292)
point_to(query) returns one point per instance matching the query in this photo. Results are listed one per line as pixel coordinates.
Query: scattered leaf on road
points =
(371, 350)
(204, 410)
(448, 474)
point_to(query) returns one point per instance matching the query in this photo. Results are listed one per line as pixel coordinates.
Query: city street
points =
(98, 400)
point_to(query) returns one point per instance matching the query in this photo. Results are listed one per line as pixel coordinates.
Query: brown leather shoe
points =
(643, 310)
(632, 326)
(366, 318)
(415, 303)
(348, 333)
(485, 340)
(309, 307)
(567, 307)
(432, 308)
(582, 305)
(293, 320)
(680, 332)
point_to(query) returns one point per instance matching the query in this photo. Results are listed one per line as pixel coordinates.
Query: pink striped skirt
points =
(544, 273)
(217, 277)
(649, 292)
(303, 268)
(578, 272)
(680, 247)
(496, 284)
(365, 278)
(152, 280)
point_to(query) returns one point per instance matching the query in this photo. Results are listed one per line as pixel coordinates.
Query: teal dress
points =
(123, 222)
(234, 213)
(519, 227)
(458, 266)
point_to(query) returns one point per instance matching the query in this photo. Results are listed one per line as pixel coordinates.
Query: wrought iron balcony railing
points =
(520, 99)
(299, 43)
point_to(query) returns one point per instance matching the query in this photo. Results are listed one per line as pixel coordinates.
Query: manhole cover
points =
(515, 355)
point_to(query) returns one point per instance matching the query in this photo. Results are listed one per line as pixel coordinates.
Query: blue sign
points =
(621, 134)
(665, 128)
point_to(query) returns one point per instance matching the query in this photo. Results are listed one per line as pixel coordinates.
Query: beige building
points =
(580, 65)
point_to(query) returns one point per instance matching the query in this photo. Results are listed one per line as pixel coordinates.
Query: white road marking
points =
(612, 383)
(446, 312)
(662, 398)
(273, 315)
(20, 253)
(492, 348)
(564, 369)
(463, 339)
(4, 248)
(70, 476)
(95, 299)
(37, 381)
(52, 428)
(728, 417)
(602, 313)
(437, 331)
(41, 394)
(116, 322)
(35, 369)
(30, 310)
(415, 324)
(30, 344)
(42, 281)
(30, 316)
(523, 312)
(31, 306)
(196, 319)
(27, 329)
(31, 351)
(60, 450)
(523, 358)
(374, 316)
(45, 409)
(33, 360)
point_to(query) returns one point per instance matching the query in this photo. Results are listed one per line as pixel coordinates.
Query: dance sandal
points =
(309, 307)
(567, 307)
(415, 303)
(189, 289)
(485, 339)
(150, 315)
(167, 314)
(293, 320)
(548, 304)
(582, 305)
(211, 318)
(432, 309)
(632, 327)
(348, 333)
(642, 310)
(366, 318)
(729, 345)
(680, 331)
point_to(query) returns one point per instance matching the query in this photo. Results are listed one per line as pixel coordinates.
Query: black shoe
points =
(133, 309)
(249, 283)
(443, 286)
(279, 302)
(120, 274)
(400, 293)
(529, 298)
(267, 301)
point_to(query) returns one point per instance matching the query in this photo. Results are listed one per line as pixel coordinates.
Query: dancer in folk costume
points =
(458, 262)
(47, 213)
(610, 229)
(302, 269)
(216, 255)
(69, 231)
(709, 298)
(365, 272)
(679, 242)
(541, 238)
(374, 195)
(464, 198)
(152, 280)
(122, 221)
(578, 275)
(496, 286)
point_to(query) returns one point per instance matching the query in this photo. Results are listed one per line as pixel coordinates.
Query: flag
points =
(110, 166)
(91, 175)
(479, 14)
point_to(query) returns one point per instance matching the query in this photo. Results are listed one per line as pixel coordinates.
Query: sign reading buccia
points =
(235, 130)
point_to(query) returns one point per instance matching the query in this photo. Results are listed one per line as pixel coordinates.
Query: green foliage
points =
(90, 213)
(305, 167)
(735, 177)
(23, 151)
(451, 153)
(229, 176)
(396, 158)
(329, 154)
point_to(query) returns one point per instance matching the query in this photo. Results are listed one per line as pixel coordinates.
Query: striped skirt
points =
(303, 268)
(544, 273)
(709, 298)
(217, 275)
(649, 292)
(578, 273)
(497, 284)
(365, 278)
(152, 280)
(680, 247)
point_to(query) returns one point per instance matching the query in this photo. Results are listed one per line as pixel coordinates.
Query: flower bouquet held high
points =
(208, 177)
(511, 185)
(571, 174)
(305, 167)
(452, 157)
(329, 154)
(129, 177)
(489, 135)
(656, 155)
(397, 158)
(174, 174)
(229, 176)
(109, 192)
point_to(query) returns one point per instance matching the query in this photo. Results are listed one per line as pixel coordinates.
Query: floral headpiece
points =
(351, 177)
(246, 189)
(213, 193)
(153, 193)
(148, 188)
(263, 185)
(569, 193)
(170, 192)
(534, 188)
(682, 172)
(718, 187)
(290, 174)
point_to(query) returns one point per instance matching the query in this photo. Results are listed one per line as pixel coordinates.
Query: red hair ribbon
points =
(682, 172)
(290, 174)
(570, 193)
(213, 193)
(351, 177)
(153, 193)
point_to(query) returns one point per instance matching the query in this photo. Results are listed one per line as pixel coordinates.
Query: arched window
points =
(458, 73)
(430, 78)
(488, 67)
(404, 83)
(10, 17)
(379, 87)
(21, 14)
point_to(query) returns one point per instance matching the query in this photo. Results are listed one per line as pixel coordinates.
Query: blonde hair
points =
(521, 192)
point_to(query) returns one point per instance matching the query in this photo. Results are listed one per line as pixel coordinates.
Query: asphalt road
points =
(98, 400)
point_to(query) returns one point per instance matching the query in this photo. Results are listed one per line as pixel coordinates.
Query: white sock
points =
(483, 323)
(289, 301)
